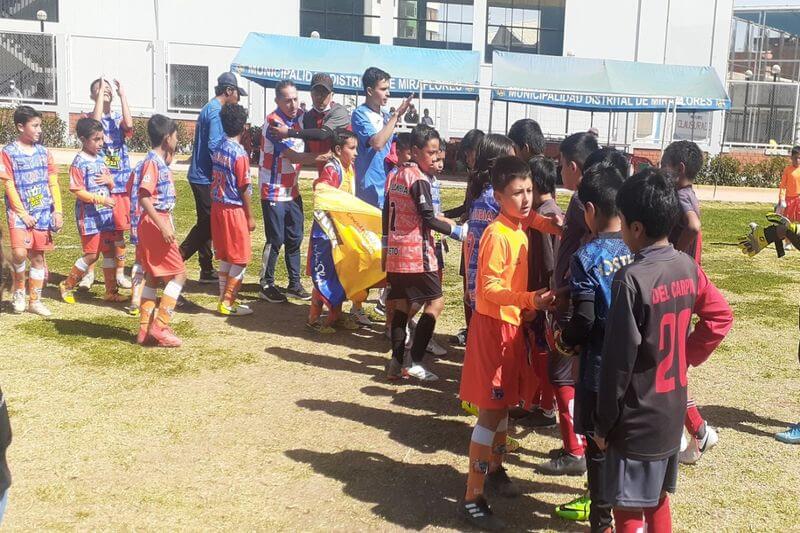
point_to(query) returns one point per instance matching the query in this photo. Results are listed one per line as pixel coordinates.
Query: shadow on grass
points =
(741, 420)
(422, 495)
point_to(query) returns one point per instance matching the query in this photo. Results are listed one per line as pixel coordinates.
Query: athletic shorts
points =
(583, 410)
(37, 240)
(99, 242)
(495, 357)
(415, 287)
(157, 257)
(637, 484)
(121, 211)
(229, 234)
(530, 380)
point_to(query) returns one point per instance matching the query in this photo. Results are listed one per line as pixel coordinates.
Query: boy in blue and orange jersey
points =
(91, 183)
(231, 218)
(33, 207)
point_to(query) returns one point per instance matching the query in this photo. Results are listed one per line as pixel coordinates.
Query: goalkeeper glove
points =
(780, 220)
(757, 239)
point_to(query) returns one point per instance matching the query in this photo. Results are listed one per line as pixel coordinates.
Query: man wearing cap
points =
(208, 136)
(13, 92)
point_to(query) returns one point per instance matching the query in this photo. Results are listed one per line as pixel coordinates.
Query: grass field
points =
(258, 424)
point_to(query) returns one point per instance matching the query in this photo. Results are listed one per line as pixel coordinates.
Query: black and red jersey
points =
(648, 346)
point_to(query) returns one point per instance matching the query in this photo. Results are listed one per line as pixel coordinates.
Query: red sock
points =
(658, 519)
(547, 399)
(565, 396)
(693, 420)
(628, 521)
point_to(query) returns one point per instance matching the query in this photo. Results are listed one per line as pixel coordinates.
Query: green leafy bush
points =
(139, 142)
(54, 130)
(726, 170)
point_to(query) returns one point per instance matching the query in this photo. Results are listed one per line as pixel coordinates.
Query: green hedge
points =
(140, 143)
(54, 130)
(726, 170)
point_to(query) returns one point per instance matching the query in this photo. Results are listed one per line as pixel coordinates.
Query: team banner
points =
(607, 102)
(345, 246)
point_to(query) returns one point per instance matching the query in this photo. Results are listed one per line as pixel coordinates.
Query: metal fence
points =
(762, 112)
(188, 87)
(27, 67)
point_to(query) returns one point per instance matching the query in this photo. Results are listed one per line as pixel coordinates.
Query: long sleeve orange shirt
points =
(790, 183)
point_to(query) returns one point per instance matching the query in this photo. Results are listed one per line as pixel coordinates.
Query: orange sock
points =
(480, 453)
(147, 306)
(76, 273)
(234, 283)
(119, 254)
(137, 284)
(168, 300)
(19, 276)
(499, 445)
(35, 284)
(110, 275)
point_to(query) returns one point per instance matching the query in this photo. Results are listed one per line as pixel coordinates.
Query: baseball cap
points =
(323, 80)
(228, 79)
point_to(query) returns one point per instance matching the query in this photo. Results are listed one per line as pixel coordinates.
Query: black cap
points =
(228, 79)
(322, 80)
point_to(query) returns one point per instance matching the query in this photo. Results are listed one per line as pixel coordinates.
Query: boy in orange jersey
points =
(789, 190)
(33, 207)
(496, 349)
(157, 249)
(91, 182)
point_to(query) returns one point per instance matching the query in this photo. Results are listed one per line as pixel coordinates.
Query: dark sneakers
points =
(499, 483)
(298, 292)
(208, 276)
(272, 295)
(479, 515)
(565, 464)
(537, 419)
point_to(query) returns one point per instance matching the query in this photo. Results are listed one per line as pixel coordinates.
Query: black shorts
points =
(584, 407)
(414, 287)
(560, 369)
(638, 484)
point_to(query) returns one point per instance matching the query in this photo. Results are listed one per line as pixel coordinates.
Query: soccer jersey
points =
(572, 236)
(158, 182)
(482, 211)
(115, 151)
(231, 171)
(90, 174)
(647, 347)
(687, 199)
(370, 171)
(334, 117)
(276, 174)
(208, 135)
(592, 271)
(336, 175)
(30, 174)
(136, 210)
(790, 181)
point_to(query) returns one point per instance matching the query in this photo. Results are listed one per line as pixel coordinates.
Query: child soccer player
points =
(642, 389)
(338, 173)
(116, 128)
(528, 138)
(592, 270)
(33, 207)
(91, 183)
(157, 249)
(683, 160)
(232, 220)
(412, 269)
(789, 190)
(496, 350)
(137, 272)
(570, 460)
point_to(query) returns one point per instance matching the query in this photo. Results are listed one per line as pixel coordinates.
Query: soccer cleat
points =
(272, 295)
(360, 317)
(320, 328)
(233, 310)
(115, 297)
(380, 309)
(563, 465)
(460, 338)
(478, 514)
(68, 295)
(38, 308)
(697, 447)
(347, 323)
(470, 409)
(18, 302)
(710, 439)
(395, 371)
(132, 310)
(577, 510)
(537, 419)
(164, 336)
(500, 484)
(208, 277)
(512, 444)
(124, 282)
(436, 349)
(556, 452)
(143, 337)
(298, 292)
(421, 373)
(87, 280)
(790, 436)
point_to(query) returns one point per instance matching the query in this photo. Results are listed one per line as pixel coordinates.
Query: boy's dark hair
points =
(527, 132)
(577, 147)
(469, 142)
(341, 136)
(493, 146)
(610, 155)
(24, 114)
(506, 169)
(95, 82)
(543, 173)
(795, 150)
(233, 118)
(421, 134)
(600, 185)
(403, 141)
(685, 152)
(372, 76)
(159, 128)
(86, 126)
(442, 145)
(280, 86)
(649, 197)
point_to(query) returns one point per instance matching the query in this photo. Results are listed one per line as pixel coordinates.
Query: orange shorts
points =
(158, 258)
(99, 242)
(37, 240)
(229, 234)
(495, 358)
(122, 211)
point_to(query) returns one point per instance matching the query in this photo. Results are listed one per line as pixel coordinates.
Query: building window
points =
(429, 24)
(27, 9)
(342, 20)
(528, 26)
(188, 87)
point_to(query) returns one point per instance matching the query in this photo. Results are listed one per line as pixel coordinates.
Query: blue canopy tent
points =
(267, 59)
(605, 85)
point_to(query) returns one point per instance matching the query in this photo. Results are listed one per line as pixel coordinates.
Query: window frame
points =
(540, 29)
(174, 108)
(421, 40)
(327, 11)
